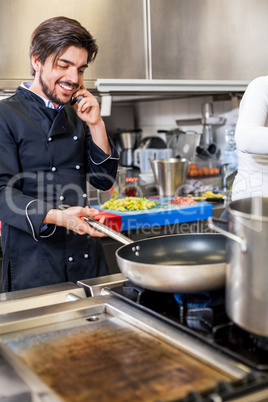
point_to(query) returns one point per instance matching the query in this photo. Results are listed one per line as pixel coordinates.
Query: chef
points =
(49, 149)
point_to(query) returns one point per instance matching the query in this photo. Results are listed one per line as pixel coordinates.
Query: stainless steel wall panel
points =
(180, 40)
(209, 39)
(118, 26)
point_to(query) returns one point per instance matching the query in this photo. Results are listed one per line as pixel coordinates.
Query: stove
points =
(202, 316)
(148, 346)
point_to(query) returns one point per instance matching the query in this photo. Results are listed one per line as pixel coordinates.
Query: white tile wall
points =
(162, 115)
(151, 116)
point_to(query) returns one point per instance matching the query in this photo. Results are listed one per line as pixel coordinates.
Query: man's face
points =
(60, 81)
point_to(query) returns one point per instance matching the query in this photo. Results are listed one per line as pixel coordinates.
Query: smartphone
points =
(78, 99)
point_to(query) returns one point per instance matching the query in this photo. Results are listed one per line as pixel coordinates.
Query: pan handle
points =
(231, 236)
(103, 228)
(108, 231)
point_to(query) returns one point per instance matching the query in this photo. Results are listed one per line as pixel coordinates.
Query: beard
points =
(51, 94)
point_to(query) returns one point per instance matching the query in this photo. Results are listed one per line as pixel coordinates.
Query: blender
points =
(128, 140)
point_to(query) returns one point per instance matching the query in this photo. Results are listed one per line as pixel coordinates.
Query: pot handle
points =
(231, 236)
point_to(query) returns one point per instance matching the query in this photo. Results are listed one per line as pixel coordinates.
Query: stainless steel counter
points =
(12, 388)
(28, 299)
(18, 331)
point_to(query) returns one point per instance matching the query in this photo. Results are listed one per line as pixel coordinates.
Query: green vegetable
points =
(129, 204)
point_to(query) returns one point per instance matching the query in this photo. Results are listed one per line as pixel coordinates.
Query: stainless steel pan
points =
(175, 263)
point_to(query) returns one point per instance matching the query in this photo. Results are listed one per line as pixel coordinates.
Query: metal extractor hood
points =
(180, 87)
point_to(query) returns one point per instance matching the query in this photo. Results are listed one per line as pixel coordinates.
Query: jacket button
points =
(70, 259)
(75, 137)
(84, 195)
(61, 197)
(85, 255)
(77, 167)
(53, 169)
(49, 139)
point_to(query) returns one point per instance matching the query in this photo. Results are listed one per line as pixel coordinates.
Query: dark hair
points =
(56, 34)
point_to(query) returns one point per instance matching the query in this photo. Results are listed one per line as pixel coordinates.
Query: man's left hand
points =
(88, 108)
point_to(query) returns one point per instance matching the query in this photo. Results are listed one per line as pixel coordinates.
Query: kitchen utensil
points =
(142, 157)
(175, 263)
(169, 174)
(152, 142)
(118, 188)
(183, 143)
(247, 276)
(126, 158)
(207, 153)
(128, 140)
(206, 148)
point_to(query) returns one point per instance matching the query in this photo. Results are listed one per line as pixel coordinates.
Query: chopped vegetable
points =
(208, 195)
(129, 204)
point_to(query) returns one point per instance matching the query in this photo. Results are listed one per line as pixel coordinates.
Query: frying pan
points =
(175, 263)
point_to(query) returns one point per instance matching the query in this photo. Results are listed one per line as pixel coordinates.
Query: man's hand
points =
(73, 218)
(88, 110)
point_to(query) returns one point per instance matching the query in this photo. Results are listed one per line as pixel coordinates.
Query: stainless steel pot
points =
(247, 270)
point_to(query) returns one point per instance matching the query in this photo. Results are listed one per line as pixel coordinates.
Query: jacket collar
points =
(27, 94)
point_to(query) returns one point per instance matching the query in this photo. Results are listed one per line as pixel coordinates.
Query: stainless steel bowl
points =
(169, 175)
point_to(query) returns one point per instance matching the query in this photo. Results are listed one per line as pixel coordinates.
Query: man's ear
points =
(36, 63)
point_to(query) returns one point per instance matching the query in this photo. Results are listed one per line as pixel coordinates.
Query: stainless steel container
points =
(129, 139)
(128, 142)
(169, 175)
(247, 270)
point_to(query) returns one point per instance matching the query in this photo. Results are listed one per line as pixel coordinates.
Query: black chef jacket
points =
(46, 157)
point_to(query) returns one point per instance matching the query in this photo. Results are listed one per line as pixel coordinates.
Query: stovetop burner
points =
(202, 316)
(200, 300)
